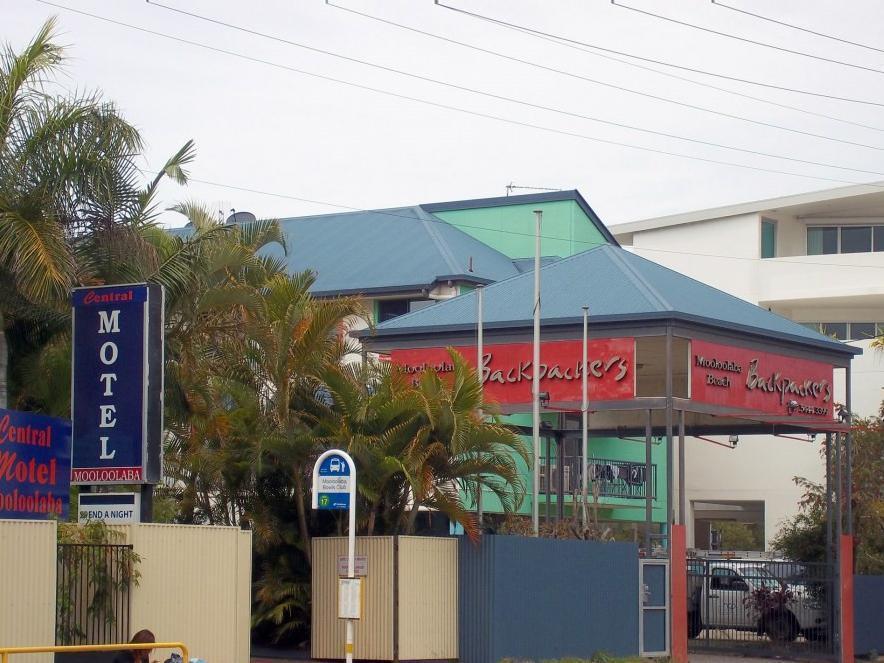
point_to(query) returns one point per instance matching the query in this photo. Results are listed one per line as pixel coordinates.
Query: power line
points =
(413, 219)
(621, 88)
(717, 3)
(746, 39)
(652, 60)
(456, 109)
(499, 97)
(668, 74)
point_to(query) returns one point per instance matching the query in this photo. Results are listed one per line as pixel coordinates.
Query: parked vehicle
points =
(746, 596)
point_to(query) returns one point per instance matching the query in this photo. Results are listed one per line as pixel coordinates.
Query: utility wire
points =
(413, 219)
(652, 60)
(669, 74)
(500, 97)
(746, 39)
(595, 81)
(717, 3)
(456, 109)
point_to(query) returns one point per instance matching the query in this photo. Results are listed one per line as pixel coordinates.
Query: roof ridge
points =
(440, 244)
(415, 210)
(641, 283)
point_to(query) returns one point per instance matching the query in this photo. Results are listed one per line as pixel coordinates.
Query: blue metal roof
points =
(617, 285)
(390, 250)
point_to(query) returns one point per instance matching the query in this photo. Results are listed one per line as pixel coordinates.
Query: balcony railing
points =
(610, 478)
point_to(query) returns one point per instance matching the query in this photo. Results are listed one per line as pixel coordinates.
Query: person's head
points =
(142, 637)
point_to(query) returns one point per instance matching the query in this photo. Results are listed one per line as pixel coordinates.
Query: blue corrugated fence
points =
(868, 611)
(546, 598)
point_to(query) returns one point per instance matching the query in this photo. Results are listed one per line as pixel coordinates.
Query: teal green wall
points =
(510, 228)
(610, 508)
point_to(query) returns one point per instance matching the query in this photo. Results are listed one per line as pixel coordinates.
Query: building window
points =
(848, 331)
(860, 331)
(768, 238)
(393, 308)
(856, 239)
(822, 240)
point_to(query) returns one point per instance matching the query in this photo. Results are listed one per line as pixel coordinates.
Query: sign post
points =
(334, 488)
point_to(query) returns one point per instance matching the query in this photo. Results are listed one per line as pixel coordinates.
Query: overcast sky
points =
(262, 127)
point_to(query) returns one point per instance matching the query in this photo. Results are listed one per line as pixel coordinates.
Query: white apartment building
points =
(817, 258)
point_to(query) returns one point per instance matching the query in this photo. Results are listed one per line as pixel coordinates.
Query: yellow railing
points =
(6, 652)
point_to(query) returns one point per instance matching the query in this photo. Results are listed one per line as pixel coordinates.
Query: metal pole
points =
(560, 470)
(828, 444)
(829, 572)
(848, 439)
(535, 371)
(351, 534)
(147, 503)
(682, 499)
(669, 452)
(351, 552)
(648, 486)
(584, 424)
(839, 492)
(480, 371)
(548, 479)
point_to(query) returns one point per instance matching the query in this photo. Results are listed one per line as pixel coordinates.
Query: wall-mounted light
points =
(791, 406)
(733, 439)
(543, 396)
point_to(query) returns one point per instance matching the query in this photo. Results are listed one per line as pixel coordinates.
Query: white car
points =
(745, 596)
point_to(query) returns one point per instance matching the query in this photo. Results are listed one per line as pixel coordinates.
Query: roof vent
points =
(240, 217)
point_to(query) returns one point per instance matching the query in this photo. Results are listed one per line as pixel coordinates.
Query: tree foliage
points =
(260, 377)
(803, 537)
(73, 209)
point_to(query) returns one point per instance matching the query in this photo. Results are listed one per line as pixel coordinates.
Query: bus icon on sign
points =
(335, 465)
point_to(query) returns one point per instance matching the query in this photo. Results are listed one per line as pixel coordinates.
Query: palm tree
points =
(214, 427)
(455, 451)
(69, 193)
(421, 446)
(288, 341)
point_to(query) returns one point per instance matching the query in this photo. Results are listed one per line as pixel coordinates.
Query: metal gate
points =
(760, 607)
(92, 593)
(653, 618)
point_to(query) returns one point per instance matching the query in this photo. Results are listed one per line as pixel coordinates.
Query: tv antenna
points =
(512, 187)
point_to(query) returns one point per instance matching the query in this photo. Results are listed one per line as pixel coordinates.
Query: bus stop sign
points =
(333, 484)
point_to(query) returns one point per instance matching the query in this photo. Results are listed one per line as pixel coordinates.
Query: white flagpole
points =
(480, 372)
(584, 408)
(535, 371)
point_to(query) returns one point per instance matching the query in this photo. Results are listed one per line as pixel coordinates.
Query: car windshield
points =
(758, 575)
(787, 572)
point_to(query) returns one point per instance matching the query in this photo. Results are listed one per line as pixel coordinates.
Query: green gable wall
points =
(566, 230)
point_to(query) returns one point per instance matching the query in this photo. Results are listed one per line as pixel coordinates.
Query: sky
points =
(269, 129)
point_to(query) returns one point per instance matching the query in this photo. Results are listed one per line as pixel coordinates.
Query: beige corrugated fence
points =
(373, 633)
(195, 587)
(27, 590)
(427, 591)
(419, 574)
